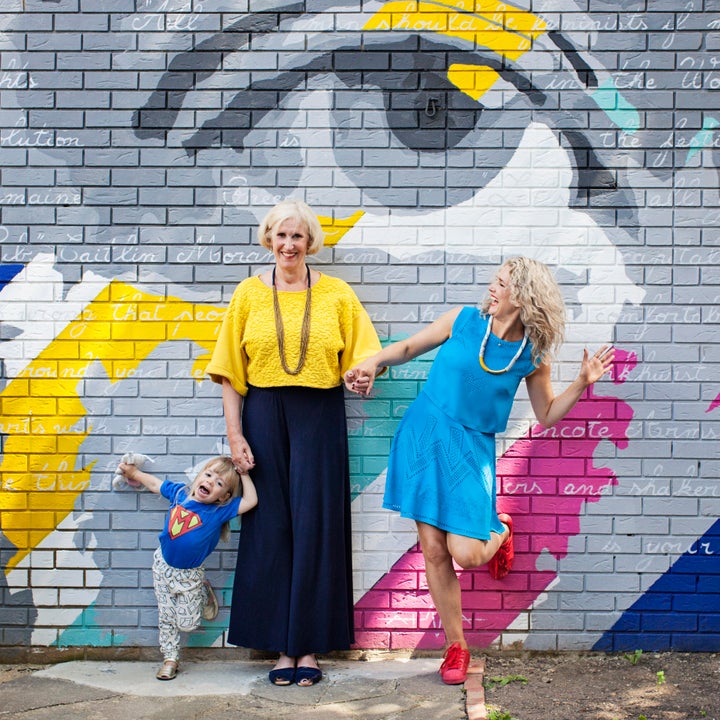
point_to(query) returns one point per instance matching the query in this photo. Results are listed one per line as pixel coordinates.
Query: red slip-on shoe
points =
(455, 665)
(501, 563)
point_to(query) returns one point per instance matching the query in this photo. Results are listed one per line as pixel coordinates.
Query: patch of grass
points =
(496, 714)
(496, 681)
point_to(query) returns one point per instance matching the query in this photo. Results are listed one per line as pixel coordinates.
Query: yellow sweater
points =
(246, 353)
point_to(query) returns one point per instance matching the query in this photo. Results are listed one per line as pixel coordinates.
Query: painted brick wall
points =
(142, 140)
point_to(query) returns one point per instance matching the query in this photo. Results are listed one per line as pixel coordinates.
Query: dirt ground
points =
(623, 686)
(570, 686)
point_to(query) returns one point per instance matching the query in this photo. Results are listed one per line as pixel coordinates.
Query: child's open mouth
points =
(203, 490)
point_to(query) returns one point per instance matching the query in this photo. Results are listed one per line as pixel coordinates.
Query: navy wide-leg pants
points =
(293, 581)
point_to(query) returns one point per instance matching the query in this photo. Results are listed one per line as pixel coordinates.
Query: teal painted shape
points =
(704, 138)
(85, 631)
(369, 443)
(609, 99)
(209, 631)
(207, 634)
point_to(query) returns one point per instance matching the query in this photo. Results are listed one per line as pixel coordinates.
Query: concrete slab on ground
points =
(387, 689)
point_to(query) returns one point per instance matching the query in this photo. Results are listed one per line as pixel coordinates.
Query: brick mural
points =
(141, 141)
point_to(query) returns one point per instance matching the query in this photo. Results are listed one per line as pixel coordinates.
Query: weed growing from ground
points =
(496, 714)
(492, 682)
(634, 658)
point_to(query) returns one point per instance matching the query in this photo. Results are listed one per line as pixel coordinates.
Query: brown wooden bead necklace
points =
(280, 328)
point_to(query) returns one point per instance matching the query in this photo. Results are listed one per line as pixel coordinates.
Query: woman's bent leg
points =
(470, 553)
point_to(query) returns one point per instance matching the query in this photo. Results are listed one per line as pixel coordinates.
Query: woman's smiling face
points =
(500, 294)
(289, 240)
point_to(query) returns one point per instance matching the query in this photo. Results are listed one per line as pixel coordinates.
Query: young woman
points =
(441, 470)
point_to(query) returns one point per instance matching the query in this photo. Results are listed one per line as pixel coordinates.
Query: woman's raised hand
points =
(595, 366)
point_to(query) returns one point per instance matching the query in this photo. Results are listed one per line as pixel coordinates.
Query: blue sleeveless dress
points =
(441, 469)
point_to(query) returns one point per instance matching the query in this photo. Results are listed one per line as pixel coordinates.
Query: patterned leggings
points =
(181, 596)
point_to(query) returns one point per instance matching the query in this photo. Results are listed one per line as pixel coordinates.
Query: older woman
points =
(288, 337)
(441, 471)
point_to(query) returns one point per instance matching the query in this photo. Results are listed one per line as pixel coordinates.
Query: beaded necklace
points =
(482, 352)
(280, 328)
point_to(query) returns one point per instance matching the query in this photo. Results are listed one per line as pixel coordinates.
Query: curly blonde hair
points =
(292, 210)
(542, 308)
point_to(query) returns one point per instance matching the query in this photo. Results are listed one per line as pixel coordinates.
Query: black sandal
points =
(282, 676)
(307, 676)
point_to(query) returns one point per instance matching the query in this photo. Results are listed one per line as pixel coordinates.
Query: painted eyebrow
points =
(186, 71)
(189, 68)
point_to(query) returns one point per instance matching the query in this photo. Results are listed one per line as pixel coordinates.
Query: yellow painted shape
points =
(504, 29)
(335, 229)
(41, 413)
(473, 80)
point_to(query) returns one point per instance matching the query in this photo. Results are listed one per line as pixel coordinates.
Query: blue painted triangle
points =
(680, 611)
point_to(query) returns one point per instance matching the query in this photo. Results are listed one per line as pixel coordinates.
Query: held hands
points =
(594, 366)
(241, 454)
(361, 378)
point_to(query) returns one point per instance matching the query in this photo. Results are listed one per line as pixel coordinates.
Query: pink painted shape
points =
(715, 403)
(543, 481)
(623, 365)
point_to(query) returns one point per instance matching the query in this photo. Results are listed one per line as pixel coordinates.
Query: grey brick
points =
(108, 41)
(80, 22)
(80, 60)
(141, 61)
(109, 6)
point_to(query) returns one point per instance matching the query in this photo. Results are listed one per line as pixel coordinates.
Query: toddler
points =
(199, 516)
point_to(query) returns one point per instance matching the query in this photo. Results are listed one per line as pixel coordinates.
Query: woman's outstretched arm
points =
(550, 408)
(360, 379)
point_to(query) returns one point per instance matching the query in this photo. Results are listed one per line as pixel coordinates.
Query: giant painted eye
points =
(387, 117)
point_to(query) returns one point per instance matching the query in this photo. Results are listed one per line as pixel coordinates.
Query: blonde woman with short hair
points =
(289, 335)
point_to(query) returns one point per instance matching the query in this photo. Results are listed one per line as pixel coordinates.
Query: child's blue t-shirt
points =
(192, 529)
